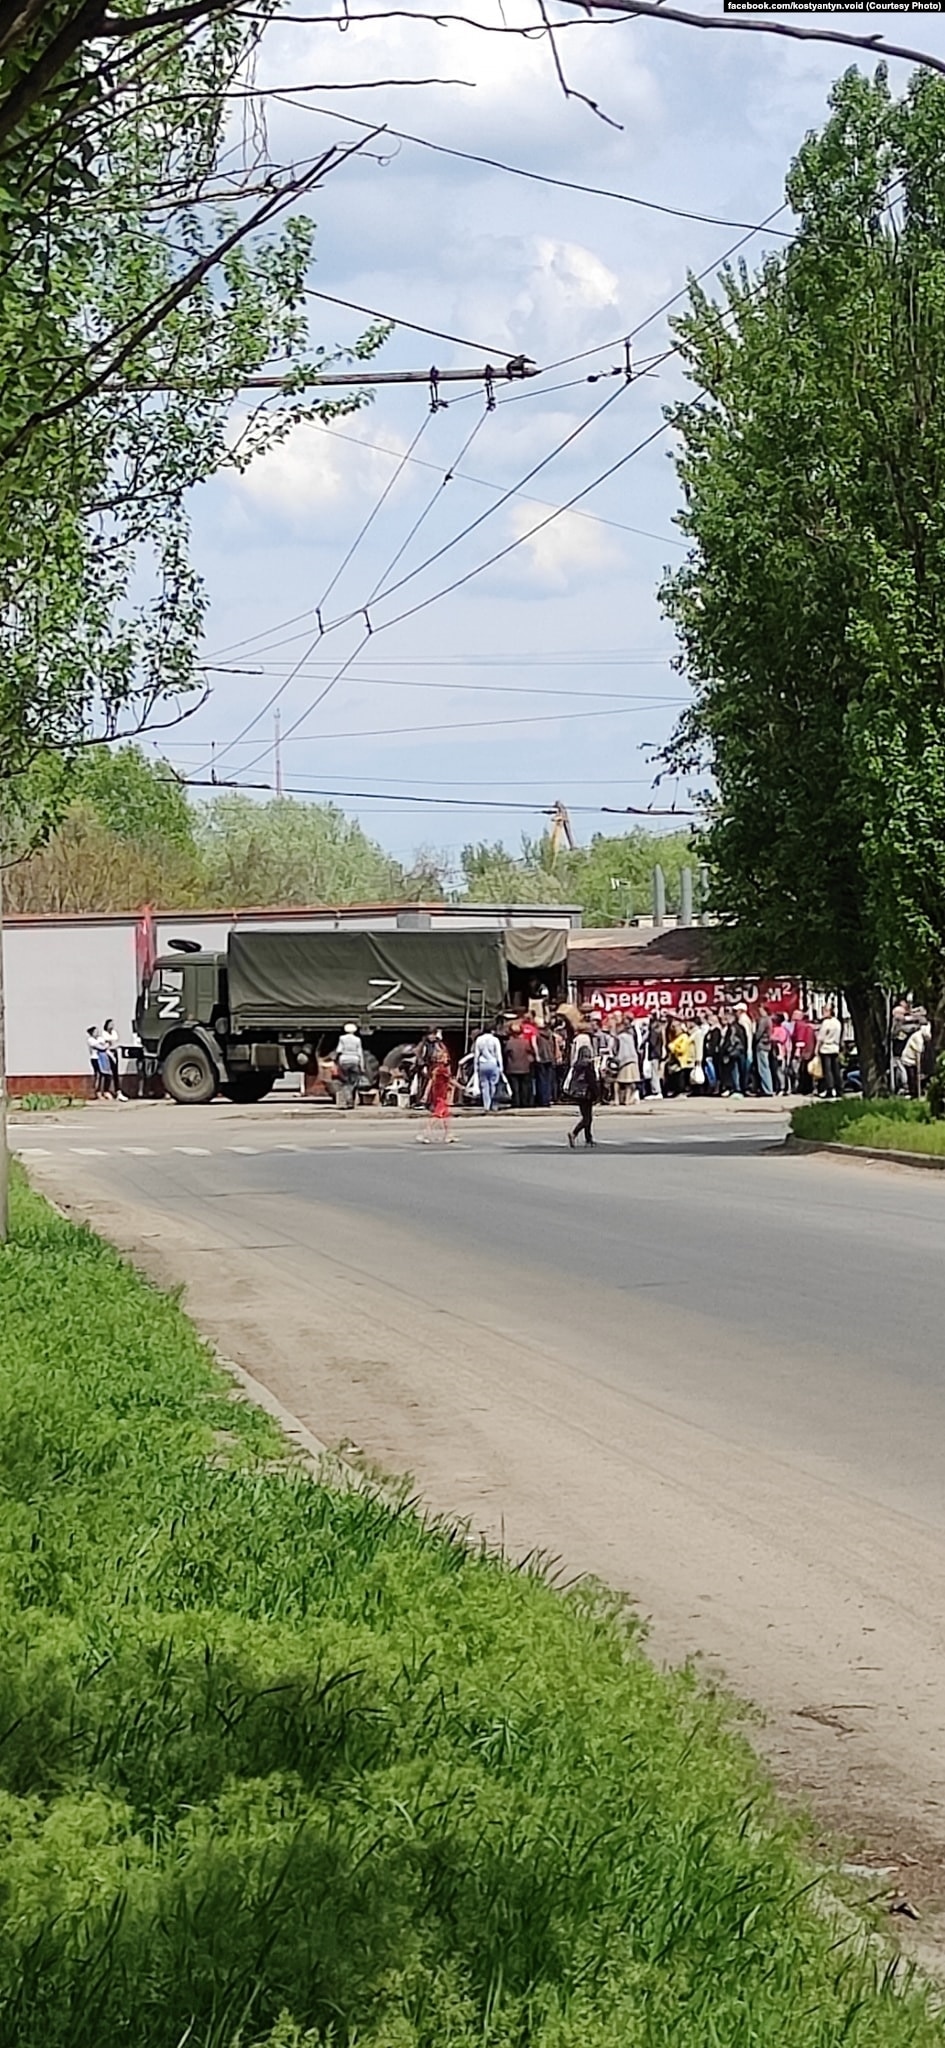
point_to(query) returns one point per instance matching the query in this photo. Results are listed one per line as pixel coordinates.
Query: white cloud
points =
(311, 476)
(569, 551)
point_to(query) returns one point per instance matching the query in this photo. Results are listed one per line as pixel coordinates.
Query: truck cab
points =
(183, 1024)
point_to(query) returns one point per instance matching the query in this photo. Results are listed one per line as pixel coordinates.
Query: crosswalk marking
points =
(666, 1138)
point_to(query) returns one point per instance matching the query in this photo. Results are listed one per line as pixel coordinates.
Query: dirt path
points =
(808, 1599)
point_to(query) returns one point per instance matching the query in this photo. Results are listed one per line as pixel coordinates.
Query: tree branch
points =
(81, 29)
(167, 17)
(168, 302)
(734, 23)
(17, 18)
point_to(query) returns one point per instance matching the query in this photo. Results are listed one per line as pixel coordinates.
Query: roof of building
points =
(680, 953)
(525, 913)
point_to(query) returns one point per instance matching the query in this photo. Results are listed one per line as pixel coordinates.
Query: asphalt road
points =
(708, 1370)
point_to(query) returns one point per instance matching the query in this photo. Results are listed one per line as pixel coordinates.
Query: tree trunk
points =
(933, 995)
(868, 1008)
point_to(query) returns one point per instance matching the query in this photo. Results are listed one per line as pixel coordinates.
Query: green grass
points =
(280, 1762)
(890, 1125)
(36, 1101)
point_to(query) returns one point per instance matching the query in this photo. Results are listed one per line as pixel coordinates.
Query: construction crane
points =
(560, 828)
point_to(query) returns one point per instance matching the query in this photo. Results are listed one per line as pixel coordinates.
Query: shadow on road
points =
(693, 1148)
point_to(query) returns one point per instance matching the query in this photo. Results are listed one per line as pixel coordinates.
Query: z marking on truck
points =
(386, 1002)
(168, 1004)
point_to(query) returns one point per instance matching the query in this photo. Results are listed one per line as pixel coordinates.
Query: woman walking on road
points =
(439, 1099)
(583, 1088)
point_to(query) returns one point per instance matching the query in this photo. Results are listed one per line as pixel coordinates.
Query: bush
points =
(887, 1126)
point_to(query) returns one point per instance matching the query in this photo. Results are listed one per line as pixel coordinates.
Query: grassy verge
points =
(27, 1104)
(281, 1763)
(888, 1126)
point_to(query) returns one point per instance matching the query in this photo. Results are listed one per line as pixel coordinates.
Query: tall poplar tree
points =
(811, 610)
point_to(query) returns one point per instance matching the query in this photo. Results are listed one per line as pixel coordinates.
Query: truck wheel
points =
(248, 1087)
(188, 1074)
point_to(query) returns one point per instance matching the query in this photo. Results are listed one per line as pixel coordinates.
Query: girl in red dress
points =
(439, 1096)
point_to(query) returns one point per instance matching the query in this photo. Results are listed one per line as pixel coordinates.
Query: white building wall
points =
(59, 978)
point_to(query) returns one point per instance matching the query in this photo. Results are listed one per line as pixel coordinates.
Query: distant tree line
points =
(116, 829)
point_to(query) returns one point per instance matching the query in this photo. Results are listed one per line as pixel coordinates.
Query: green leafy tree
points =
(140, 286)
(811, 610)
(131, 796)
(142, 282)
(86, 867)
(491, 874)
(107, 830)
(612, 878)
(286, 852)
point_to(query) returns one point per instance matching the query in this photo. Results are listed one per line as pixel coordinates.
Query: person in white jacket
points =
(913, 1058)
(829, 1036)
(349, 1060)
(487, 1066)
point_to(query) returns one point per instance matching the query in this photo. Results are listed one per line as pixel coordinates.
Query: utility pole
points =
(512, 372)
(4, 1150)
(659, 897)
(278, 751)
(685, 896)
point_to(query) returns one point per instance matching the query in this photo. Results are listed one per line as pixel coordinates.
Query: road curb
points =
(886, 1157)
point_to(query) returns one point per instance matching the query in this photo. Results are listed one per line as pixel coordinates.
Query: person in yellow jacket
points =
(681, 1059)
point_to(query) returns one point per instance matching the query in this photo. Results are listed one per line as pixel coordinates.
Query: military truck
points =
(230, 1023)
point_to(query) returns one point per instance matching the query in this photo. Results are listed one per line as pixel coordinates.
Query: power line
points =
(484, 483)
(469, 156)
(441, 803)
(379, 592)
(503, 499)
(603, 347)
(491, 510)
(645, 698)
(446, 591)
(355, 544)
(393, 319)
(384, 732)
(530, 534)
(319, 698)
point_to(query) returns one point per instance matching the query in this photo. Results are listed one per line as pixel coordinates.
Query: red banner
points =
(145, 946)
(686, 998)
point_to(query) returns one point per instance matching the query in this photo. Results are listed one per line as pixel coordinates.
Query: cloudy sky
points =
(547, 674)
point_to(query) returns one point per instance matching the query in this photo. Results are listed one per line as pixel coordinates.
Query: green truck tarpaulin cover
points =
(380, 980)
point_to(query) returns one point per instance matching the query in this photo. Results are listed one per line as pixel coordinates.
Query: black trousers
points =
(833, 1084)
(585, 1110)
(521, 1086)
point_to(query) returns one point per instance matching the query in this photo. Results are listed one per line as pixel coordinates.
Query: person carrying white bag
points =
(487, 1067)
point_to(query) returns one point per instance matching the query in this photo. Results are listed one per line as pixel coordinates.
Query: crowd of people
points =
(727, 1052)
(530, 1060)
(732, 1051)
